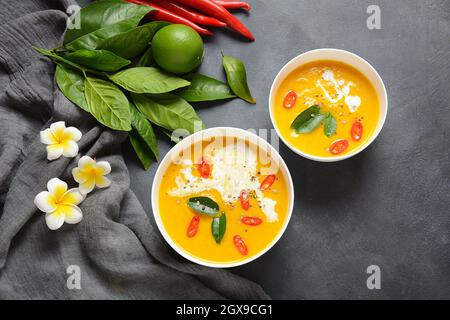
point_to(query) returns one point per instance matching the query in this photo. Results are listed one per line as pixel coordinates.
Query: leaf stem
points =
(57, 58)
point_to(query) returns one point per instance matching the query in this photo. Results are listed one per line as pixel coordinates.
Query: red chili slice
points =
(290, 99)
(245, 201)
(339, 146)
(268, 182)
(193, 226)
(240, 245)
(204, 168)
(357, 131)
(251, 221)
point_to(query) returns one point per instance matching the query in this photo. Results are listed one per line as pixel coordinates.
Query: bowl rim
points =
(186, 142)
(381, 120)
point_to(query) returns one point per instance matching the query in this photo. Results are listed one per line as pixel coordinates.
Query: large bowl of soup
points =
(328, 104)
(222, 197)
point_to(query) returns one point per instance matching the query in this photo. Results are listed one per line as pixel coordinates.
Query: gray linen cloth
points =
(119, 253)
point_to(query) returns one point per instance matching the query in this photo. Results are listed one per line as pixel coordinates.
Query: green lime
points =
(177, 48)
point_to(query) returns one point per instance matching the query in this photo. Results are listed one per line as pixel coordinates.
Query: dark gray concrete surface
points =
(388, 206)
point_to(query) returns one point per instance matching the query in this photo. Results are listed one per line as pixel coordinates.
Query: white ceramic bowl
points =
(342, 56)
(206, 135)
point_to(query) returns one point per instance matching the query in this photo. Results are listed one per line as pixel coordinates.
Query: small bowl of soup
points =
(222, 197)
(328, 104)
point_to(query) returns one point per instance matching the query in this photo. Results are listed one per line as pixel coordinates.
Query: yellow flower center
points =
(59, 199)
(59, 138)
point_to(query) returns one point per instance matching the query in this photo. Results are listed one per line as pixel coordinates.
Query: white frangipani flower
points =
(59, 204)
(91, 173)
(60, 140)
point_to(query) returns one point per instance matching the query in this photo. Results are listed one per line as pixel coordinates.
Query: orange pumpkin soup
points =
(326, 108)
(224, 203)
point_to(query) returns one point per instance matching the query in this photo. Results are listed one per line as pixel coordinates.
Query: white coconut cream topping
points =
(234, 168)
(341, 88)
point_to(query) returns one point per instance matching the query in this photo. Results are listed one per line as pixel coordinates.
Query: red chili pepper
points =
(164, 15)
(214, 10)
(188, 13)
(193, 226)
(339, 146)
(204, 168)
(233, 4)
(240, 245)
(290, 99)
(251, 221)
(245, 201)
(268, 182)
(357, 131)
